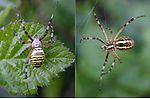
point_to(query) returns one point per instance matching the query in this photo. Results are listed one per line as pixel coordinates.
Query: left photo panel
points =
(37, 48)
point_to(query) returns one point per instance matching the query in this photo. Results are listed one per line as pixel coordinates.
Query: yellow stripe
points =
(36, 56)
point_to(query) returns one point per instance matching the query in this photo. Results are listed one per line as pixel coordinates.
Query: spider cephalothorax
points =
(36, 55)
(36, 43)
(110, 45)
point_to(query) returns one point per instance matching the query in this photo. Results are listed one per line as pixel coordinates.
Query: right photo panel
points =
(112, 48)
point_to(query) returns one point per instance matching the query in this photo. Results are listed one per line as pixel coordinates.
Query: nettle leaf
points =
(13, 56)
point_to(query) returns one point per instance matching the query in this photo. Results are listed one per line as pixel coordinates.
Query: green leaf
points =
(14, 54)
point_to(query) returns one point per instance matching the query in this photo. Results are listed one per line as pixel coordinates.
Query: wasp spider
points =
(112, 44)
(36, 55)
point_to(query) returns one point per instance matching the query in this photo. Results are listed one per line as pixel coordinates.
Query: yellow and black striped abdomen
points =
(37, 57)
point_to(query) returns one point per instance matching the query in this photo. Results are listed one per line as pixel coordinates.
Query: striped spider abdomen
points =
(37, 57)
(37, 54)
(124, 43)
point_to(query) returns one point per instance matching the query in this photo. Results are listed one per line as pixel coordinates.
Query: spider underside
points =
(112, 44)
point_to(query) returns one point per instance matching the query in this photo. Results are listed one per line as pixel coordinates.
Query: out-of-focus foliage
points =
(128, 79)
(40, 11)
(5, 8)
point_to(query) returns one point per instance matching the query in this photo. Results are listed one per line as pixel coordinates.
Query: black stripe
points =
(131, 20)
(20, 21)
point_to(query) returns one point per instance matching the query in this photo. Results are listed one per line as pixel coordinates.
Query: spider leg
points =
(26, 68)
(126, 24)
(113, 63)
(101, 27)
(110, 33)
(49, 26)
(111, 67)
(52, 37)
(26, 73)
(26, 65)
(20, 39)
(92, 38)
(114, 54)
(23, 27)
(103, 67)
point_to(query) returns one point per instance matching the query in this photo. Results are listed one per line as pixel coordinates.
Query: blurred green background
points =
(39, 11)
(128, 79)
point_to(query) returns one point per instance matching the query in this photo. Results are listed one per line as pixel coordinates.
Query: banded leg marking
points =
(20, 39)
(103, 67)
(26, 68)
(92, 38)
(111, 68)
(126, 24)
(101, 27)
(49, 26)
(52, 31)
(23, 27)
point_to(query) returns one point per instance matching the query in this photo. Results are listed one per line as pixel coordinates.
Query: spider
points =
(111, 45)
(36, 55)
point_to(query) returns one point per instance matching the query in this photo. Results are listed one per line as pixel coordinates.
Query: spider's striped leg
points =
(103, 67)
(26, 65)
(111, 68)
(110, 33)
(20, 39)
(101, 27)
(23, 27)
(49, 26)
(116, 56)
(126, 24)
(26, 69)
(92, 38)
(52, 37)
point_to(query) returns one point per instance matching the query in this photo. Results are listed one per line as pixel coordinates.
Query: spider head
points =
(36, 43)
